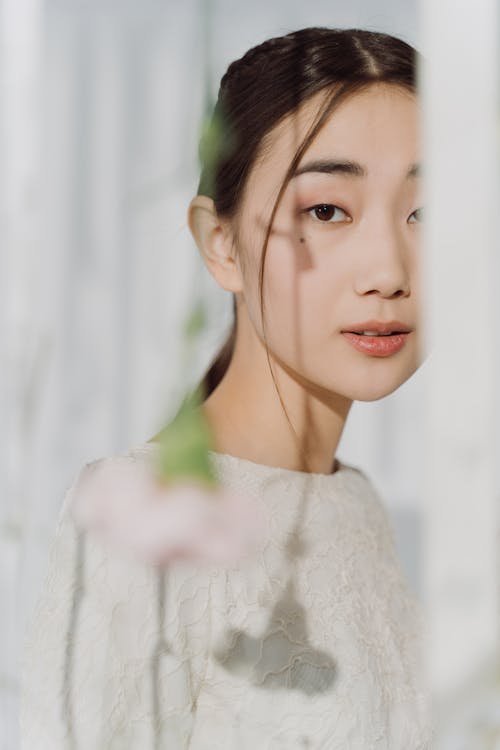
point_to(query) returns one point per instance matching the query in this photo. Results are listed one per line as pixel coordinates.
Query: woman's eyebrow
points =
(345, 167)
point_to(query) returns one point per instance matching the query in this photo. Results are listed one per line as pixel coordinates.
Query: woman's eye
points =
(417, 211)
(324, 212)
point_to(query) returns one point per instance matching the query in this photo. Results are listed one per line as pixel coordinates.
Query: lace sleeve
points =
(115, 651)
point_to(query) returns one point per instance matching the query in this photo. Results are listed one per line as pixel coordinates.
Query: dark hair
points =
(269, 82)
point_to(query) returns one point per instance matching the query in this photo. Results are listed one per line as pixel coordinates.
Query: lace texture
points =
(314, 643)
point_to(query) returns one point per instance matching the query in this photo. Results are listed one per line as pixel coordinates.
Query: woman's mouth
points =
(379, 345)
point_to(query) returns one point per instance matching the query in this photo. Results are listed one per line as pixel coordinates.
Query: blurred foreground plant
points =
(185, 441)
(173, 506)
(122, 502)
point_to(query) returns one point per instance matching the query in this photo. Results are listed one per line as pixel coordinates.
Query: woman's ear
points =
(215, 243)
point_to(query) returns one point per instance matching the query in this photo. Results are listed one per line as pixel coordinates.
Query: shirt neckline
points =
(230, 461)
(277, 470)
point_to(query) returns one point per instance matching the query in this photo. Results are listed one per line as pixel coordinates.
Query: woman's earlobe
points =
(214, 240)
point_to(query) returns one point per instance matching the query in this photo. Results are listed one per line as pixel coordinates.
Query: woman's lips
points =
(378, 346)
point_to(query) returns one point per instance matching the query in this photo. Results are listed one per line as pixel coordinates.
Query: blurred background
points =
(100, 113)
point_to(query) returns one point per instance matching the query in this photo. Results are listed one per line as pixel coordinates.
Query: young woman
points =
(308, 210)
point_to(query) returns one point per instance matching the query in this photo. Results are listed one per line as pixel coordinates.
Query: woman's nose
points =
(385, 265)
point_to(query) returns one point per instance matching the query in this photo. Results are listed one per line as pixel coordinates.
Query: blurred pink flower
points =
(122, 502)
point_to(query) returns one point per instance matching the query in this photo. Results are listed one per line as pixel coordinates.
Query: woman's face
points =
(353, 259)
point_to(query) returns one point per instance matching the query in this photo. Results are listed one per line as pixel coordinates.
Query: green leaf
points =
(184, 444)
(217, 142)
(196, 321)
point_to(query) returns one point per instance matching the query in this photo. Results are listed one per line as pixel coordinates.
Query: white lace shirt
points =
(314, 643)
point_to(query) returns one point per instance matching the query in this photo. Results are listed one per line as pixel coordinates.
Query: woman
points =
(308, 211)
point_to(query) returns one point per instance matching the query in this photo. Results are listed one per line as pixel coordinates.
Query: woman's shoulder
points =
(99, 619)
(83, 547)
(106, 585)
